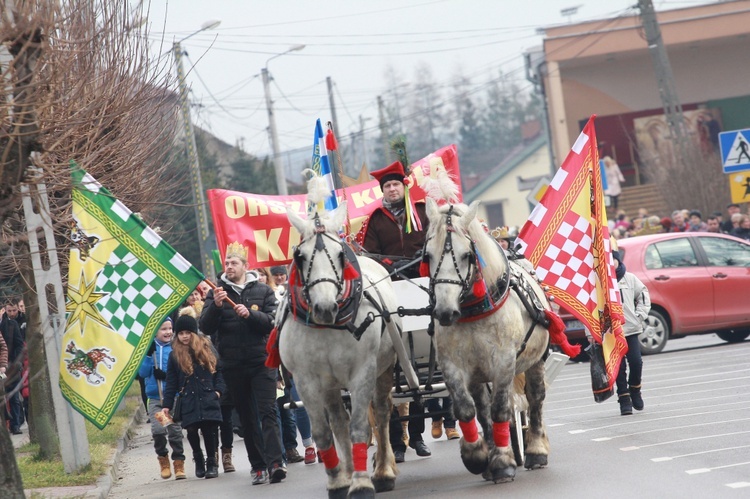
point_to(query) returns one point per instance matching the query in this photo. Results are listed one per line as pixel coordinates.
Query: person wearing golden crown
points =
(240, 334)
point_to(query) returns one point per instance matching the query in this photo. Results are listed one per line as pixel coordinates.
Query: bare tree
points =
(694, 182)
(80, 85)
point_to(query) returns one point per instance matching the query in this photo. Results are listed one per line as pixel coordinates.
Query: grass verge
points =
(38, 473)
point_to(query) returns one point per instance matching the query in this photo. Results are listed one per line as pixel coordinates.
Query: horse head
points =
(451, 255)
(319, 262)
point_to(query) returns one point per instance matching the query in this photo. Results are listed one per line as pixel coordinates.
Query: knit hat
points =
(186, 321)
(279, 270)
(394, 171)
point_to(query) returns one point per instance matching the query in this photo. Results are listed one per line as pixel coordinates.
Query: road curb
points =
(105, 482)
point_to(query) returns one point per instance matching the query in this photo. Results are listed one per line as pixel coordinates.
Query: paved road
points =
(692, 440)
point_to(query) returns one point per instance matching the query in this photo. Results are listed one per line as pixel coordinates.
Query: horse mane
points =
(494, 264)
(443, 188)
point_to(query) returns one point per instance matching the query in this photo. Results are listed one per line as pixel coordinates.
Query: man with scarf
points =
(396, 231)
(636, 303)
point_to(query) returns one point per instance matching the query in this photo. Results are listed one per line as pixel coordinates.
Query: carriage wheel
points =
(517, 436)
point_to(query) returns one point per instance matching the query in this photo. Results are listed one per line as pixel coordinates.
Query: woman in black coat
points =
(193, 375)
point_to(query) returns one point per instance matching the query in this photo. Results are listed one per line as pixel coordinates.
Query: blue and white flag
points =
(322, 166)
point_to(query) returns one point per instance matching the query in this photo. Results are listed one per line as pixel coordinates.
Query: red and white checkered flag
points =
(566, 239)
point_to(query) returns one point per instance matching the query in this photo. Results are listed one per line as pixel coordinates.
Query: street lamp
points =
(280, 178)
(201, 217)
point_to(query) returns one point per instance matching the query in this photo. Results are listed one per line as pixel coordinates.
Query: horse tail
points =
(557, 335)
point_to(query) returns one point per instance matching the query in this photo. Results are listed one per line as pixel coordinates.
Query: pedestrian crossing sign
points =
(739, 185)
(735, 150)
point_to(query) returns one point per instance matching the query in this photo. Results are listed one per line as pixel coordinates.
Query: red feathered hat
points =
(394, 171)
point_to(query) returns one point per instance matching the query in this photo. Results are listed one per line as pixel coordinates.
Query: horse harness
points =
(478, 307)
(350, 291)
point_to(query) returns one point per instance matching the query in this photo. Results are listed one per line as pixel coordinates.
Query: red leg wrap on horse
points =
(359, 456)
(330, 458)
(471, 434)
(501, 433)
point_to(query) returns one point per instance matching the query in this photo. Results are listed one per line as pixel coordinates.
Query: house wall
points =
(604, 67)
(516, 208)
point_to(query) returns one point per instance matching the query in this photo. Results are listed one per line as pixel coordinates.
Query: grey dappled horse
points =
(494, 345)
(325, 358)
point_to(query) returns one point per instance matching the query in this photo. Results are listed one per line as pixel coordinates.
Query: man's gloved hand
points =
(159, 374)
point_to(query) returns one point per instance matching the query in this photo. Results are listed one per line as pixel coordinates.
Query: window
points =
(725, 253)
(495, 216)
(671, 253)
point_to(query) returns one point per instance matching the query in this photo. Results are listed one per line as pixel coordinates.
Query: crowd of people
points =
(209, 357)
(734, 223)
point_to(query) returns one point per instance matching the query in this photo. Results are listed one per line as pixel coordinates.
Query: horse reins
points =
(320, 233)
(464, 282)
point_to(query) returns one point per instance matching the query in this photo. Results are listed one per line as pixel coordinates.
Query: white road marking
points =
(738, 485)
(640, 422)
(706, 470)
(702, 437)
(669, 458)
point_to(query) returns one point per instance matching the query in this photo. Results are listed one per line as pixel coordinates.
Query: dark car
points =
(699, 283)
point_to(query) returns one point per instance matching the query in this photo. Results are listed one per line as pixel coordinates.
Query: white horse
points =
(326, 358)
(486, 334)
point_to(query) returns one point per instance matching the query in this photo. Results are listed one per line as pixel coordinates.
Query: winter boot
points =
(437, 428)
(226, 460)
(212, 468)
(626, 405)
(179, 469)
(635, 396)
(200, 464)
(166, 470)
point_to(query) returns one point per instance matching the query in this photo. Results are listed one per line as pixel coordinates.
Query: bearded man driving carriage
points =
(396, 232)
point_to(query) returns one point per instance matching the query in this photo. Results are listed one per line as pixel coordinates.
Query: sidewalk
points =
(103, 485)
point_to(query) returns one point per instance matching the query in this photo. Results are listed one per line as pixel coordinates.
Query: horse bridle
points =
(320, 233)
(464, 282)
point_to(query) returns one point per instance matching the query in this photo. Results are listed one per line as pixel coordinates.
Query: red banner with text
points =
(259, 222)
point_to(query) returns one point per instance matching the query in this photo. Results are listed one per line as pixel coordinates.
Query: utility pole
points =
(664, 77)
(277, 166)
(337, 184)
(536, 67)
(201, 217)
(384, 131)
(71, 429)
(362, 120)
(331, 103)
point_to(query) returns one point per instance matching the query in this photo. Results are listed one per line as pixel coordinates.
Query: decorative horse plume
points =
(441, 187)
(317, 187)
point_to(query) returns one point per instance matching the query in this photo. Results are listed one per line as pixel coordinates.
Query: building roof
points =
(517, 156)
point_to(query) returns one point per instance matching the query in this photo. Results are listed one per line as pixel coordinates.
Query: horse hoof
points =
(474, 456)
(362, 494)
(475, 466)
(384, 484)
(503, 475)
(535, 461)
(338, 493)
(487, 475)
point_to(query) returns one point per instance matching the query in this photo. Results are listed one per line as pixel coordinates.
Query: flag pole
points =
(340, 168)
(215, 287)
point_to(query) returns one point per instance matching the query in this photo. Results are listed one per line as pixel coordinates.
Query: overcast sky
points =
(353, 42)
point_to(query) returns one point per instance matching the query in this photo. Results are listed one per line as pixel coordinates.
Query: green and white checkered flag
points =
(123, 281)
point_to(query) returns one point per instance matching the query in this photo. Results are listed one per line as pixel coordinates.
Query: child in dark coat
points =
(193, 374)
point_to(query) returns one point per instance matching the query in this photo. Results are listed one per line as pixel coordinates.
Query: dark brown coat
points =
(384, 235)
